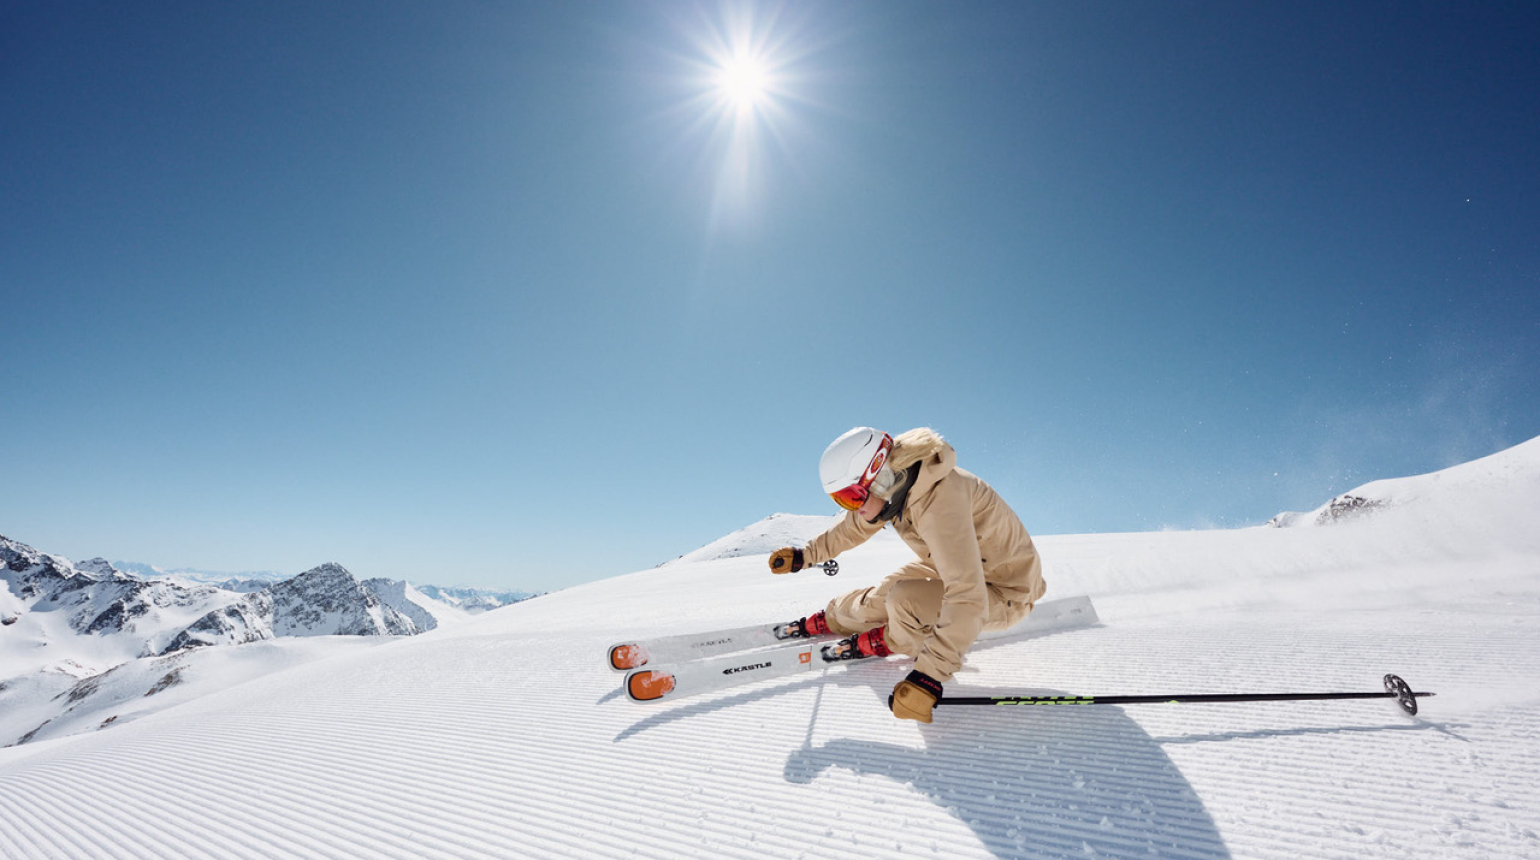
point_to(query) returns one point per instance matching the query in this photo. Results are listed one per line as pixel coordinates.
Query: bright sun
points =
(743, 79)
(744, 82)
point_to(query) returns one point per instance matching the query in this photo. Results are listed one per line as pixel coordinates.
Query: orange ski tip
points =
(628, 656)
(649, 685)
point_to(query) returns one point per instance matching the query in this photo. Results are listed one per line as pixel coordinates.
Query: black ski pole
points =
(1395, 688)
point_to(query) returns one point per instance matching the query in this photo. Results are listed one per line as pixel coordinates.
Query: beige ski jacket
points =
(964, 533)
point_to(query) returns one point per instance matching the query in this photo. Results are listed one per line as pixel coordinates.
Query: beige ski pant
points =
(908, 601)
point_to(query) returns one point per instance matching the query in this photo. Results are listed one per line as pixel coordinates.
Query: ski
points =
(626, 656)
(634, 654)
(693, 677)
(729, 670)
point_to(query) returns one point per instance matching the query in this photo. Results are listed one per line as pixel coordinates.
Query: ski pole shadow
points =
(1051, 782)
(1419, 726)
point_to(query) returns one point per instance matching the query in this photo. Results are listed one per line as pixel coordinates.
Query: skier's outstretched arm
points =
(850, 532)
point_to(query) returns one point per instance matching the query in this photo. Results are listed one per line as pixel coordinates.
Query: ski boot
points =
(872, 643)
(803, 628)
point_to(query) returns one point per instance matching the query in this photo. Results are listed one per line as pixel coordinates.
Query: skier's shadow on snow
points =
(1060, 781)
(1057, 782)
(1042, 782)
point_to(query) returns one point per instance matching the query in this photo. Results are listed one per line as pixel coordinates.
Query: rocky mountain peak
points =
(101, 568)
(331, 571)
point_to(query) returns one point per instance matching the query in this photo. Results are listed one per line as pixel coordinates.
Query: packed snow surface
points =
(506, 736)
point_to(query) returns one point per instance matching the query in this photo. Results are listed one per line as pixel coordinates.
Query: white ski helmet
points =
(851, 462)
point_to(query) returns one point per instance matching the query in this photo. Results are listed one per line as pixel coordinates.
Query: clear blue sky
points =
(508, 294)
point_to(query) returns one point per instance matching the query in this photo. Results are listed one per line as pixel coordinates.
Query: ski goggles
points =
(852, 497)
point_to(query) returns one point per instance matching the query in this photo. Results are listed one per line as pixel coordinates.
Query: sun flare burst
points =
(744, 82)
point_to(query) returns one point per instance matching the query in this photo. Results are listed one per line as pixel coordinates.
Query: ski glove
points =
(914, 696)
(786, 560)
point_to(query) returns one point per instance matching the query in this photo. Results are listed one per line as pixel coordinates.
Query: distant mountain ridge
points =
(323, 601)
(473, 600)
(77, 638)
(161, 614)
(223, 579)
(94, 598)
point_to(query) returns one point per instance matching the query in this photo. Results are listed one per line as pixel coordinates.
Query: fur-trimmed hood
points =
(915, 446)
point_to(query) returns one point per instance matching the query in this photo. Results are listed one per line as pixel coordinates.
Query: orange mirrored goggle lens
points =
(851, 498)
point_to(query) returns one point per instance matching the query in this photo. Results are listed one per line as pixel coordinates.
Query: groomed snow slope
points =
(506, 738)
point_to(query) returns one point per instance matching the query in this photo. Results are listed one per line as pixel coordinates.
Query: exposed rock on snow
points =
(167, 681)
(1344, 507)
(327, 601)
(1348, 506)
(246, 620)
(402, 598)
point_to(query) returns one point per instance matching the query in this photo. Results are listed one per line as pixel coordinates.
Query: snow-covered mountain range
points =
(63, 625)
(251, 580)
(507, 737)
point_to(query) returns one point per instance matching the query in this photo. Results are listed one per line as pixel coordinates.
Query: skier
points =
(977, 568)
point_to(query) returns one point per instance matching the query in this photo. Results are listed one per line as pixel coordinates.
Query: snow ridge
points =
(761, 538)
